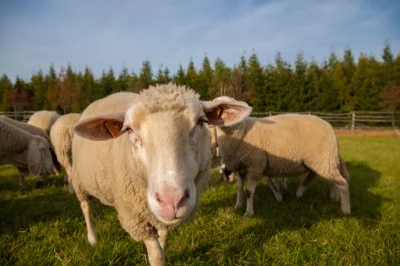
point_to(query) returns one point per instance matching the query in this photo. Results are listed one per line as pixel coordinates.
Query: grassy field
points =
(46, 227)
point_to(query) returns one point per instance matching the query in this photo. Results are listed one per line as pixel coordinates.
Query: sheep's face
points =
(173, 145)
(37, 158)
(170, 146)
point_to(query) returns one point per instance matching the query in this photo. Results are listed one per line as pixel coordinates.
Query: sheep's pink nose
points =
(171, 202)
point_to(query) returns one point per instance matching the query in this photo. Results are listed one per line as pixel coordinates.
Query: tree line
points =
(335, 85)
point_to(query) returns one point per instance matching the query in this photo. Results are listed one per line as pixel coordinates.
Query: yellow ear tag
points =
(113, 127)
(218, 112)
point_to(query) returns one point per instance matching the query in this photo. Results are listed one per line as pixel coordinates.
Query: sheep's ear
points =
(226, 113)
(101, 127)
(34, 159)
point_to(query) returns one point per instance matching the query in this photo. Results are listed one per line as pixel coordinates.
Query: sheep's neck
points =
(233, 137)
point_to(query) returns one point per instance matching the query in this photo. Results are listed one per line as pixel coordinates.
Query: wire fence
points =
(20, 116)
(351, 120)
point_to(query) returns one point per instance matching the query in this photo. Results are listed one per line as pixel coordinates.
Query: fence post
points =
(353, 120)
(270, 113)
(393, 119)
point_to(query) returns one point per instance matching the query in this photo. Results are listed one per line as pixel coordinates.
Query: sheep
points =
(280, 145)
(148, 155)
(44, 119)
(61, 134)
(34, 131)
(24, 150)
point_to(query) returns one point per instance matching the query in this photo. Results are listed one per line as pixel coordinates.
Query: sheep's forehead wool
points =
(167, 97)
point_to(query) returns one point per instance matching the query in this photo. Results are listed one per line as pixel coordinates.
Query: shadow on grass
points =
(23, 208)
(272, 217)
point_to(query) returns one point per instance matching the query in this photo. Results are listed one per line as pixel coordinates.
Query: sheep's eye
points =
(129, 129)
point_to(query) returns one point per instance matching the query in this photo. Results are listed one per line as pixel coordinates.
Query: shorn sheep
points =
(24, 150)
(281, 145)
(61, 134)
(44, 120)
(34, 131)
(148, 155)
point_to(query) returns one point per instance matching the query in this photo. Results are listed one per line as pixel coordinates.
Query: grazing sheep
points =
(281, 145)
(61, 134)
(44, 120)
(24, 150)
(146, 154)
(34, 131)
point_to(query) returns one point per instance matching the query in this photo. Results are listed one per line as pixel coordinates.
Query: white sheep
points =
(44, 119)
(61, 134)
(281, 145)
(24, 150)
(148, 155)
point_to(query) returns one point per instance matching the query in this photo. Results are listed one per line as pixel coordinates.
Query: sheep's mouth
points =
(172, 221)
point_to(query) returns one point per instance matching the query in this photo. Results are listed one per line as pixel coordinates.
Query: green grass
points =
(46, 227)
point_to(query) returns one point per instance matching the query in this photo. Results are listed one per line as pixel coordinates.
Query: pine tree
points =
(50, 80)
(39, 89)
(365, 80)
(298, 95)
(222, 79)
(180, 77)
(123, 81)
(239, 81)
(255, 83)
(191, 78)
(5, 90)
(279, 85)
(346, 90)
(88, 87)
(19, 97)
(146, 75)
(205, 79)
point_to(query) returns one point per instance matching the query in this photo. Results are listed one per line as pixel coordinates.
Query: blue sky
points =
(100, 34)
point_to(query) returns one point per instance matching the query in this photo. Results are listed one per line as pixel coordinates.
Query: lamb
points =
(24, 150)
(148, 155)
(44, 120)
(280, 145)
(61, 134)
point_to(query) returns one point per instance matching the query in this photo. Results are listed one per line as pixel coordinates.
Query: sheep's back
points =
(292, 143)
(44, 120)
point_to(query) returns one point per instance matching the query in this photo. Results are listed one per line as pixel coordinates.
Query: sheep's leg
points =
(162, 238)
(89, 225)
(41, 181)
(154, 252)
(277, 193)
(22, 183)
(69, 180)
(284, 184)
(343, 188)
(277, 183)
(251, 188)
(239, 197)
(303, 185)
(334, 193)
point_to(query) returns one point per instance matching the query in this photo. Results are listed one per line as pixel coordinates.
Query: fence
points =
(351, 120)
(21, 116)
